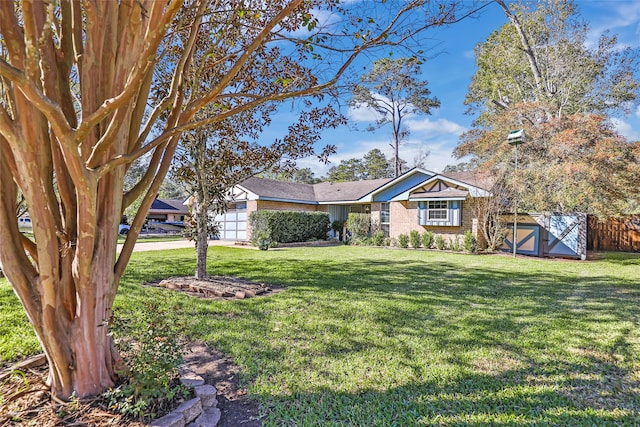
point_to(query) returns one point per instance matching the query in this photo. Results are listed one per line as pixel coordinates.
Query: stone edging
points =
(201, 411)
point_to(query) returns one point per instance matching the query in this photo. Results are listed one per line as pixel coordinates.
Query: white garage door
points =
(233, 223)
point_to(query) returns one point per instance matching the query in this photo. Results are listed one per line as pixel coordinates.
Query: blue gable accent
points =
(401, 186)
(159, 204)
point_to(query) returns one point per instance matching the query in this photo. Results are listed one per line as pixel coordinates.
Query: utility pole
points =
(515, 138)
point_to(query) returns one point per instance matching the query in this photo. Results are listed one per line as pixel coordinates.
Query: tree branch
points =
(145, 61)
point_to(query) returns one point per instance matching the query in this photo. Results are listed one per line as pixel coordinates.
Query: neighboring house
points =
(417, 200)
(24, 221)
(167, 210)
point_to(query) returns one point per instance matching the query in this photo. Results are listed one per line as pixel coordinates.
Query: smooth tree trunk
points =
(200, 211)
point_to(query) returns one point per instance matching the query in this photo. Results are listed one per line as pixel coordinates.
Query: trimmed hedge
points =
(289, 226)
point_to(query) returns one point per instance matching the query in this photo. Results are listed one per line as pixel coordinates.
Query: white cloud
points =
(326, 19)
(435, 126)
(638, 111)
(619, 17)
(439, 153)
(362, 113)
(625, 129)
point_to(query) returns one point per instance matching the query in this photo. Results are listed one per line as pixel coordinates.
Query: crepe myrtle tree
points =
(87, 87)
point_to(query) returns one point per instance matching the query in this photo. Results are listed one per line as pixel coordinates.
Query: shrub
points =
(403, 241)
(260, 231)
(439, 242)
(427, 239)
(288, 226)
(152, 350)
(414, 239)
(378, 238)
(358, 225)
(455, 244)
(470, 242)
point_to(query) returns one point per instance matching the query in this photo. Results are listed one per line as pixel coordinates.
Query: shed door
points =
(566, 235)
(527, 238)
(233, 223)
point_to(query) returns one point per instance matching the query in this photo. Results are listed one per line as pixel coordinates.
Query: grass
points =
(155, 238)
(377, 337)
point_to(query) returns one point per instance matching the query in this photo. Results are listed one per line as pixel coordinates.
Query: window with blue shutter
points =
(442, 213)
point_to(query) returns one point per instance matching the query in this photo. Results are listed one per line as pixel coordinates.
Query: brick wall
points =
(404, 219)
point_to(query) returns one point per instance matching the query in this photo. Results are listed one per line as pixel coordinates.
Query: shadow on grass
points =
(471, 340)
(532, 395)
(417, 337)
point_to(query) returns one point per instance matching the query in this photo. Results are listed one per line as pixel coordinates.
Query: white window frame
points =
(437, 207)
(384, 225)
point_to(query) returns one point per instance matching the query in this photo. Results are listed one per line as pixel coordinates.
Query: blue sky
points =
(449, 74)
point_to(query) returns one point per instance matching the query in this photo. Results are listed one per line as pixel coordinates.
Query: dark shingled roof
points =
(271, 188)
(346, 191)
(168, 205)
(322, 192)
(477, 179)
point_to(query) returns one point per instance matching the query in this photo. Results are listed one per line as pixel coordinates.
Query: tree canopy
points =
(542, 56)
(537, 73)
(374, 165)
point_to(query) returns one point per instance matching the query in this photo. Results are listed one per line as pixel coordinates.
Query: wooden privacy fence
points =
(614, 234)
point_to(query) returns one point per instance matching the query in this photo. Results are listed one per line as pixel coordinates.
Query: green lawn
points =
(155, 238)
(379, 337)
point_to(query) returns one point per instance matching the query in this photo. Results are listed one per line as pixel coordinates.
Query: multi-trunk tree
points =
(87, 87)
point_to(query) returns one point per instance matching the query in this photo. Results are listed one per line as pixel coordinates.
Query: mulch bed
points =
(216, 287)
(25, 399)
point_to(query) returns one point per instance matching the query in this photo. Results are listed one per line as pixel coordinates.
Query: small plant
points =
(414, 238)
(470, 242)
(378, 238)
(337, 227)
(440, 243)
(153, 353)
(427, 239)
(455, 244)
(262, 240)
(403, 241)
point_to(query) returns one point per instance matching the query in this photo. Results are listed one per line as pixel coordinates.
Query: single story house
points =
(417, 200)
(167, 210)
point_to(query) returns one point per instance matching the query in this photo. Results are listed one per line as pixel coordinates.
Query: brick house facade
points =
(417, 200)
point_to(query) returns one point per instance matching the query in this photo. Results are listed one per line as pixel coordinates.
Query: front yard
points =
(370, 336)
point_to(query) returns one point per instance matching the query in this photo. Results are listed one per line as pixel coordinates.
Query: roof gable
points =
(442, 187)
(399, 185)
